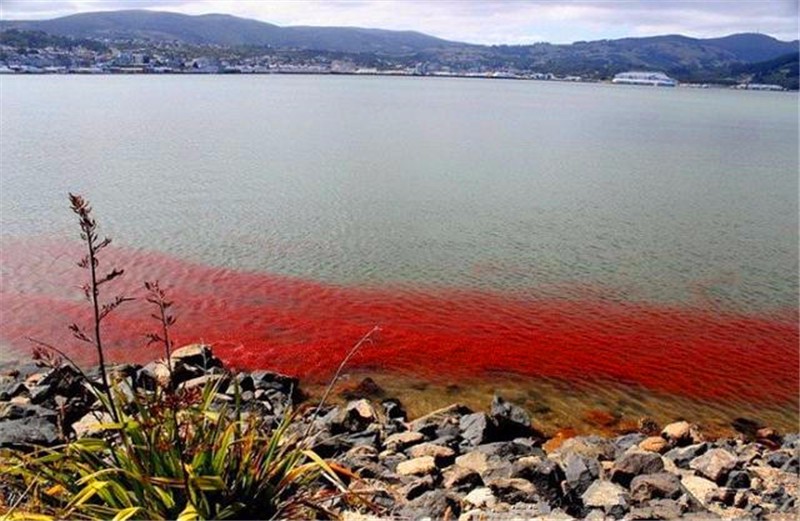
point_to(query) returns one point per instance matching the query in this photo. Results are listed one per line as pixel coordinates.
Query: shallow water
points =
(634, 239)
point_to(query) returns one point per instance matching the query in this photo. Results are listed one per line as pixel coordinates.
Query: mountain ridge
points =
(686, 58)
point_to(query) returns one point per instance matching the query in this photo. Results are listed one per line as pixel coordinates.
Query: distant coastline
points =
(480, 76)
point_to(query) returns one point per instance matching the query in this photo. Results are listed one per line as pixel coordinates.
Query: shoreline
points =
(458, 462)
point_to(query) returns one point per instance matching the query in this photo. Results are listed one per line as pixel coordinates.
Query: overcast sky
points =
(477, 21)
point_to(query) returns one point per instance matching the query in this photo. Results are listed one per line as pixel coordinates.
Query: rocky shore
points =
(453, 463)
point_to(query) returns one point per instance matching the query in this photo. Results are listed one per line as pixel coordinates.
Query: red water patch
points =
(302, 327)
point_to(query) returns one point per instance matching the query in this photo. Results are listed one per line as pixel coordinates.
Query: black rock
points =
(16, 411)
(245, 383)
(738, 479)
(477, 428)
(512, 420)
(13, 390)
(434, 504)
(27, 432)
(682, 456)
(579, 473)
(778, 459)
(394, 409)
(545, 475)
(793, 465)
(327, 446)
(634, 464)
(623, 443)
(268, 380)
(417, 487)
(513, 490)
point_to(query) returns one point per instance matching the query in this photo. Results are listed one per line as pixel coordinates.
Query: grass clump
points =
(174, 455)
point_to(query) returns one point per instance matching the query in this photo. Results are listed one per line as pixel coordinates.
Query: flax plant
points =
(171, 453)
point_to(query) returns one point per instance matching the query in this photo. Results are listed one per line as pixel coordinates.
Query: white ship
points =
(656, 79)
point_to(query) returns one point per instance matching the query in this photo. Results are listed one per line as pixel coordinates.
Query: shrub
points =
(211, 462)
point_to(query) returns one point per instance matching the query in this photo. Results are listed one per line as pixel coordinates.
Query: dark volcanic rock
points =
(435, 504)
(682, 456)
(738, 479)
(662, 485)
(546, 476)
(579, 473)
(625, 442)
(417, 487)
(715, 465)
(461, 479)
(513, 490)
(477, 428)
(634, 464)
(778, 459)
(13, 390)
(28, 431)
(512, 420)
(436, 420)
(16, 411)
(393, 409)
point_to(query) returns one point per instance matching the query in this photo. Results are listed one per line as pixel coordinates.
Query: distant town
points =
(37, 52)
(178, 58)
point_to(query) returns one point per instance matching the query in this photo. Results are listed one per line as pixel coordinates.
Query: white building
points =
(656, 79)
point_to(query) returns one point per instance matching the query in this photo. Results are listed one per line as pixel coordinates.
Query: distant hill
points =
(221, 29)
(783, 70)
(686, 59)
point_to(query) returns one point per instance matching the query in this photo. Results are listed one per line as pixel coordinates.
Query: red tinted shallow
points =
(302, 327)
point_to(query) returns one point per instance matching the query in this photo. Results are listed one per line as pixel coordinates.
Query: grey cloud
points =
(480, 21)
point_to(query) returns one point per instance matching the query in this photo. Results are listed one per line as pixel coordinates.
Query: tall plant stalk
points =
(91, 290)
